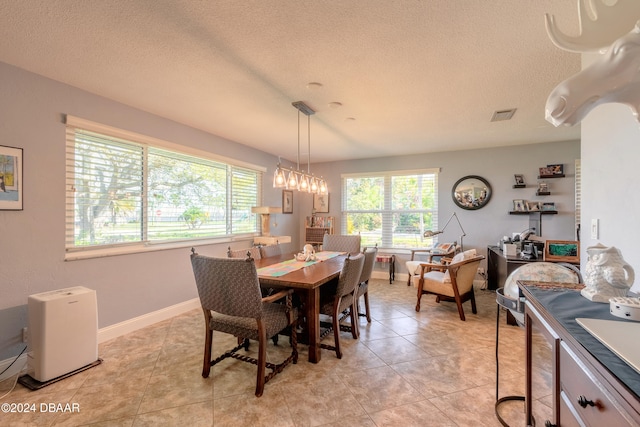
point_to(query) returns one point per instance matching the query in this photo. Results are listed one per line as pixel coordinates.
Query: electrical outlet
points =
(25, 334)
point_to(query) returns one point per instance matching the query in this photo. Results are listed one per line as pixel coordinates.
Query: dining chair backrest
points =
(350, 275)
(369, 262)
(270, 250)
(341, 243)
(228, 285)
(242, 253)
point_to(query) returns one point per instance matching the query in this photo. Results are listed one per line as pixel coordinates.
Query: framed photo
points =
(533, 206)
(321, 203)
(562, 251)
(548, 206)
(556, 169)
(519, 179)
(10, 178)
(287, 201)
(519, 205)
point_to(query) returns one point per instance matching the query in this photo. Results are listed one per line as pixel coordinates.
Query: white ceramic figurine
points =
(606, 275)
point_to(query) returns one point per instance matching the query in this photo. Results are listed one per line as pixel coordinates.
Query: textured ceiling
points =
(417, 76)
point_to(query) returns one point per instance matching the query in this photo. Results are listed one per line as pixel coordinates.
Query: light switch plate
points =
(594, 229)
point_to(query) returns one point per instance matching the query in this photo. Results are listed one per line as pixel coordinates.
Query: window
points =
(122, 191)
(391, 209)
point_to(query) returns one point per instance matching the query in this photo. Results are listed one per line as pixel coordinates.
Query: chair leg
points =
(419, 295)
(206, 366)
(208, 341)
(366, 306)
(262, 360)
(473, 303)
(336, 334)
(355, 332)
(460, 310)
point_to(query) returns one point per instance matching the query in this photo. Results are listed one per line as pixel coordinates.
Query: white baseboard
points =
(114, 331)
(132, 325)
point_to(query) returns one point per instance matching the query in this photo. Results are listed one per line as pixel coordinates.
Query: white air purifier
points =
(63, 332)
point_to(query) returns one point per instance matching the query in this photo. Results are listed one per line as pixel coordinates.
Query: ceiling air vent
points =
(499, 116)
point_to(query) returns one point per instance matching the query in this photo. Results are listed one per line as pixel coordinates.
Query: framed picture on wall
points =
(321, 203)
(287, 201)
(10, 178)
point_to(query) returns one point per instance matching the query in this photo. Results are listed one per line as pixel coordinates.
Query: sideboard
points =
(590, 385)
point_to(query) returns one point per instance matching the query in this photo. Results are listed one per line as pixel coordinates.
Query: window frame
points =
(147, 143)
(387, 212)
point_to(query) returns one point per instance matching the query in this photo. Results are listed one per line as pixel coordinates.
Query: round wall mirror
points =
(471, 192)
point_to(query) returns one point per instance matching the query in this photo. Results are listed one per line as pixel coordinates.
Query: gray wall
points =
(32, 240)
(497, 165)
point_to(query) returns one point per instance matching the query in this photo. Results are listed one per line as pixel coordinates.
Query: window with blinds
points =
(126, 192)
(391, 209)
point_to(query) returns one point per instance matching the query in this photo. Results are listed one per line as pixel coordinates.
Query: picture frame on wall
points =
(287, 201)
(11, 178)
(519, 179)
(321, 203)
(519, 205)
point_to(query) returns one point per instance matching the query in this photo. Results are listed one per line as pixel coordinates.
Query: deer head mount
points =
(614, 77)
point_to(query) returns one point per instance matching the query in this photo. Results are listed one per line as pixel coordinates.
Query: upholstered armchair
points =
(432, 254)
(452, 282)
(230, 296)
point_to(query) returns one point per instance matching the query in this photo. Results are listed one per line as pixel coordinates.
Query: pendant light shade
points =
(297, 179)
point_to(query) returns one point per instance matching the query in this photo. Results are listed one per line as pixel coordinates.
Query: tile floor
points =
(407, 369)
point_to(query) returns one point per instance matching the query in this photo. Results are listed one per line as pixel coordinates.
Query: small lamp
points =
(431, 233)
(265, 211)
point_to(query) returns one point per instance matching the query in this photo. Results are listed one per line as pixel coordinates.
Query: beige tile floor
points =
(407, 369)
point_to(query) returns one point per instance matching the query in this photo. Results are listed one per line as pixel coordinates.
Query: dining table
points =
(306, 279)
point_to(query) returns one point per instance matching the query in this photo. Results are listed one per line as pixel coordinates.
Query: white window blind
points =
(122, 192)
(391, 209)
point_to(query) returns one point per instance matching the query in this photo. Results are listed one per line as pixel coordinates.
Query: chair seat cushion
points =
(434, 282)
(275, 320)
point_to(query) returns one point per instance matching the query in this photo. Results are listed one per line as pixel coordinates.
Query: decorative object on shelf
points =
(519, 181)
(10, 178)
(543, 189)
(551, 171)
(611, 78)
(265, 212)
(471, 192)
(431, 233)
(321, 203)
(519, 205)
(287, 201)
(532, 206)
(548, 206)
(562, 251)
(607, 275)
(291, 179)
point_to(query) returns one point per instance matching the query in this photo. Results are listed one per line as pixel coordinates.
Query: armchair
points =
(452, 282)
(433, 254)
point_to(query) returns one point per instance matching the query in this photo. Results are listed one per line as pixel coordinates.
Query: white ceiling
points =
(416, 75)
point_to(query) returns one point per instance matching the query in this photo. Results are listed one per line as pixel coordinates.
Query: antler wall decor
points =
(614, 77)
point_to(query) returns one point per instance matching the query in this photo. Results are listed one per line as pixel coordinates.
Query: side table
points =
(391, 259)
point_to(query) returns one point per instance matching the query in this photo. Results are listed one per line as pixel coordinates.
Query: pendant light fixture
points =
(299, 180)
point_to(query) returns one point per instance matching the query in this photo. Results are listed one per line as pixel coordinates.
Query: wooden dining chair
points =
(270, 250)
(452, 282)
(253, 251)
(230, 296)
(341, 300)
(363, 284)
(341, 243)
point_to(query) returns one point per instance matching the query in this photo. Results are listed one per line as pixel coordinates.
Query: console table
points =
(590, 385)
